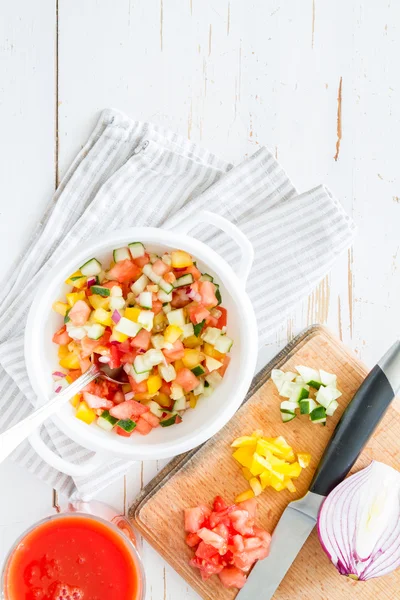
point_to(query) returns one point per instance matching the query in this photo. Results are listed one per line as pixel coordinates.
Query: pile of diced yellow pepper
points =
(267, 462)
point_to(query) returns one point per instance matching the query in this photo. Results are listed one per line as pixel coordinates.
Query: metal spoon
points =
(11, 438)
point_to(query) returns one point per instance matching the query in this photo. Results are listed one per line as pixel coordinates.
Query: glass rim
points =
(65, 515)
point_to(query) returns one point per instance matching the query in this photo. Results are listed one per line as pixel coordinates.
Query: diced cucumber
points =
(332, 407)
(206, 384)
(208, 391)
(288, 388)
(127, 425)
(180, 404)
(287, 416)
(211, 335)
(153, 257)
(146, 299)
(287, 406)
(148, 271)
(158, 341)
(167, 372)
(164, 297)
(300, 392)
(223, 344)
(310, 376)
(218, 294)
(176, 317)
(318, 415)
(140, 285)
(155, 409)
(154, 357)
(66, 318)
(279, 377)
(76, 333)
(307, 406)
(95, 331)
(116, 292)
(199, 389)
(121, 254)
(176, 391)
(198, 328)
(198, 371)
(326, 395)
(187, 330)
(206, 277)
(106, 421)
(171, 420)
(213, 379)
(184, 280)
(212, 364)
(100, 291)
(141, 364)
(139, 377)
(167, 308)
(136, 249)
(91, 267)
(166, 259)
(327, 378)
(165, 286)
(145, 319)
(116, 303)
(128, 327)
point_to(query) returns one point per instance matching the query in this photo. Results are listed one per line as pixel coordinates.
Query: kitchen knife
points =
(354, 429)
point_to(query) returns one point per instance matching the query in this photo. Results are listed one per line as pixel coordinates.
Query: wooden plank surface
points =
(211, 471)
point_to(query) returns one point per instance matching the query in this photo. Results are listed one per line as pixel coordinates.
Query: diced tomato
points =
(137, 388)
(125, 270)
(247, 558)
(232, 577)
(142, 340)
(187, 379)
(222, 530)
(165, 388)
(110, 284)
(211, 321)
(192, 270)
(103, 388)
(219, 504)
(206, 568)
(73, 375)
(151, 419)
(176, 353)
(128, 357)
(61, 337)
(197, 313)
(87, 346)
(207, 293)
(138, 409)
(142, 260)
(84, 364)
(160, 268)
(79, 313)
(252, 542)
(96, 401)
(122, 432)
(250, 505)
(225, 364)
(170, 277)
(205, 551)
(211, 538)
(124, 410)
(192, 539)
(240, 522)
(143, 427)
(118, 397)
(221, 516)
(237, 543)
(180, 298)
(195, 517)
(263, 535)
(223, 319)
(123, 346)
(115, 361)
(156, 306)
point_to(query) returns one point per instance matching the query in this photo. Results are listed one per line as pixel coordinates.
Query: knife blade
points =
(354, 429)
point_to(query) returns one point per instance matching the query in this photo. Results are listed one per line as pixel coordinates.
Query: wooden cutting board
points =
(201, 474)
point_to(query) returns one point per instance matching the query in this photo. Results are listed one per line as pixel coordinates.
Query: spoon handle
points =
(11, 438)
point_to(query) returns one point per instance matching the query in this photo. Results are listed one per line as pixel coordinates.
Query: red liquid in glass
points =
(72, 558)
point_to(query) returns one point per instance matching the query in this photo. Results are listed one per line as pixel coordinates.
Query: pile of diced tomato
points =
(226, 540)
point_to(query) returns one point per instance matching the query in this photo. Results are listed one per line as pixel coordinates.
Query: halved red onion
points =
(359, 523)
(116, 317)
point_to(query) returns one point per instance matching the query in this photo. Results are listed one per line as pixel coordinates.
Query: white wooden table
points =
(231, 75)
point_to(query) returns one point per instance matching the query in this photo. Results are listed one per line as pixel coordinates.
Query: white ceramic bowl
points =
(212, 413)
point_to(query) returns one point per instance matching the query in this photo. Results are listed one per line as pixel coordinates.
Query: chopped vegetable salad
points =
(160, 319)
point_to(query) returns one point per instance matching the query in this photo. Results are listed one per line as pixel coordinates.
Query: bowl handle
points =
(229, 228)
(55, 461)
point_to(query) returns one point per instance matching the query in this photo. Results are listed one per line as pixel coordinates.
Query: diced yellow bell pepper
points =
(61, 308)
(180, 259)
(192, 400)
(255, 486)
(163, 400)
(84, 413)
(118, 337)
(143, 397)
(77, 280)
(75, 400)
(192, 341)
(211, 351)
(262, 463)
(276, 483)
(290, 485)
(172, 333)
(132, 313)
(178, 365)
(63, 351)
(154, 383)
(304, 459)
(73, 297)
(244, 456)
(265, 448)
(288, 469)
(245, 440)
(265, 479)
(282, 448)
(244, 496)
(98, 301)
(103, 317)
(191, 358)
(70, 361)
(247, 474)
(256, 468)
(159, 322)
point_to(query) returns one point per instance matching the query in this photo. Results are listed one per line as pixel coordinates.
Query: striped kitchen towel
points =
(132, 173)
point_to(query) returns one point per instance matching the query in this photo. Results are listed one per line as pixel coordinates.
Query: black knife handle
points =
(358, 422)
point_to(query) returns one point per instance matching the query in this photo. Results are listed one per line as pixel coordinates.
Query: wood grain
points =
(202, 474)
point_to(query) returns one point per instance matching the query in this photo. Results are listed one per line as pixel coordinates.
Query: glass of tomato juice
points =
(85, 552)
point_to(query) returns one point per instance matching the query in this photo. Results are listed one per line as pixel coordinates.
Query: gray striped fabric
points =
(114, 183)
